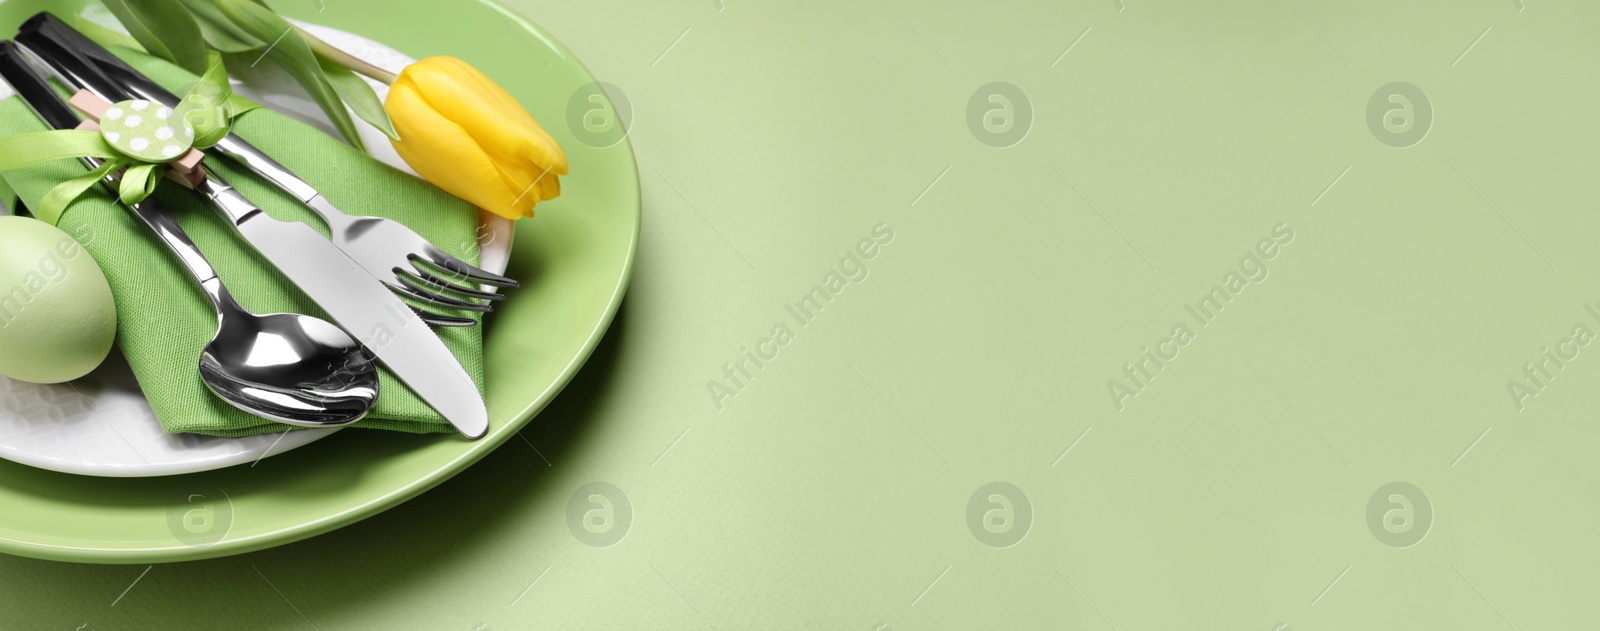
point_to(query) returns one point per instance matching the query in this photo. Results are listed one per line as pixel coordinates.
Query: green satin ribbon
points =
(209, 107)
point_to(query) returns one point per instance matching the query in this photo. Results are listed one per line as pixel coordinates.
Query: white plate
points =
(101, 425)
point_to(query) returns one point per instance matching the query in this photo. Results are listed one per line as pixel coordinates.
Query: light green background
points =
(832, 491)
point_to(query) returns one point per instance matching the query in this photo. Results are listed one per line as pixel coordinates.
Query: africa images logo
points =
(51, 269)
(1252, 270)
(852, 270)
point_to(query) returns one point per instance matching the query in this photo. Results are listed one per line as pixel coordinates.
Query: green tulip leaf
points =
(289, 51)
(165, 29)
(107, 37)
(220, 33)
(358, 94)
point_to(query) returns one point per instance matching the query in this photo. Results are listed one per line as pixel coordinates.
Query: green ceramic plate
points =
(574, 260)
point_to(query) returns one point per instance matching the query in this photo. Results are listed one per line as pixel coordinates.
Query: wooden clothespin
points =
(185, 170)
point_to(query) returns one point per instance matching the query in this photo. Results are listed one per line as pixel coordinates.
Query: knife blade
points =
(367, 310)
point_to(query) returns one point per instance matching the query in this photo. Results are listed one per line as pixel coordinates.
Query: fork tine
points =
(436, 319)
(428, 281)
(438, 300)
(444, 260)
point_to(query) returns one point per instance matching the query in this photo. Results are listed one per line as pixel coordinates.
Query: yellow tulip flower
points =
(465, 134)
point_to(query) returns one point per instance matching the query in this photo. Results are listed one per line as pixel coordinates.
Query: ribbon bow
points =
(206, 112)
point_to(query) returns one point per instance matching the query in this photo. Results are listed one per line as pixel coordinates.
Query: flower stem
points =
(346, 59)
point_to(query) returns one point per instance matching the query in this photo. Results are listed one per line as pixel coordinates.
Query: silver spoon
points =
(283, 367)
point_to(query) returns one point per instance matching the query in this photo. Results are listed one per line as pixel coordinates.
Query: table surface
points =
(1247, 315)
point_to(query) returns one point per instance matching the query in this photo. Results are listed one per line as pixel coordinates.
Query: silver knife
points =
(361, 304)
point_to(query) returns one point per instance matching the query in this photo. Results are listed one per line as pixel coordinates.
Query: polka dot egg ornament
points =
(146, 131)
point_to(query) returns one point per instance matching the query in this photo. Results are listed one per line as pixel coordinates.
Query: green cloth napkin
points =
(163, 318)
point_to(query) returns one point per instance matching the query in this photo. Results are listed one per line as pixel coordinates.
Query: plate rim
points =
(376, 505)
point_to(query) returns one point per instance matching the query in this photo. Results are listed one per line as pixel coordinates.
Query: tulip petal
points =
(446, 155)
(551, 189)
(507, 106)
(521, 175)
(487, 112)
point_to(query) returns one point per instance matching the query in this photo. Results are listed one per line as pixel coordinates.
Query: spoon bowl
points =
(289, 368)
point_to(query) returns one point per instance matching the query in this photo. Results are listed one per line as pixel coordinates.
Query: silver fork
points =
(432, 279)
(411, 266)
(403, 260)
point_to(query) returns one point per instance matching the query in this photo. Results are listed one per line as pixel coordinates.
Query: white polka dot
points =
(188, 131)
(113, 136)
(170, 150)
(114, 113)
(164, 133)
(139, 105)
(132, 121)
(139, 144)
(164, 113)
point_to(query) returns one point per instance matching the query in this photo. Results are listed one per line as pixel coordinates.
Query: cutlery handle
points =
(229, 203)
(35, 91)
(82, 62)
(57, 55)
(43, 99)
(252, 158)
(156, 216)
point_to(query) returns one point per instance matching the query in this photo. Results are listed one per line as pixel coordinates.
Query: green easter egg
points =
(147, 131)
(57, 318)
